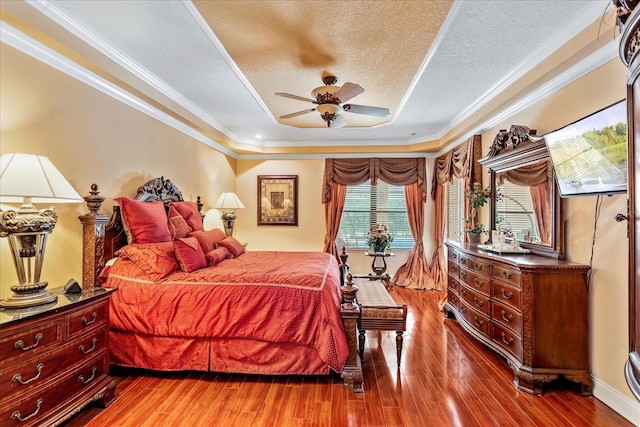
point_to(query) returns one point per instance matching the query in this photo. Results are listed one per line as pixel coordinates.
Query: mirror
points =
(524, 198)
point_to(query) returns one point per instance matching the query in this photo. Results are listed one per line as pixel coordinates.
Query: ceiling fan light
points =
(329, 109)
(324, 93)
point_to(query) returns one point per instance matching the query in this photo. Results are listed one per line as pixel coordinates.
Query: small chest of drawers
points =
(531, 310)
(54, 359)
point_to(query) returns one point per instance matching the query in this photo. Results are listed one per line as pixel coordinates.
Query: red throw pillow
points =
(177, 224)
(216, 255)
(158, 260)
(189, 254)
(208, 239)
(190, 213)
(144, 222)
(235, 248)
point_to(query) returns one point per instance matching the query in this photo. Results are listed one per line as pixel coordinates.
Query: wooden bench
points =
(378, 312)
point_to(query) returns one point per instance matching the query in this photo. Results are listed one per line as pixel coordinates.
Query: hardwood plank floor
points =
(446, 379)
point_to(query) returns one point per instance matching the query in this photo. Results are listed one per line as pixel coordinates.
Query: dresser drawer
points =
(453, 268)
(476, 265)
(31, 409)
(452, 298)
(31, 342)
(507, 316)
(453, 256)
(477, 320)
(87, 319)
(506, 339)
(23, 377)
(507, 274)
(507, 294)
(476, 281)
(452, 283)
(476, 300)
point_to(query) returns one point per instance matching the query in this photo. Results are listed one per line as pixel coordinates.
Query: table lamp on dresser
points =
(27, 179)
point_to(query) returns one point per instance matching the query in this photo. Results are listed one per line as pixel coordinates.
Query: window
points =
(515, 210)
(366, 206)
(455, 209)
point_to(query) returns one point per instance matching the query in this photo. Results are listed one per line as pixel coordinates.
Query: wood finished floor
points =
(446, 379)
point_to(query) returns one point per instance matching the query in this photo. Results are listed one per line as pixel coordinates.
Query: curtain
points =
(410, 173)
(414, 274)
(357, 171)
(460, 162)
(332, 214)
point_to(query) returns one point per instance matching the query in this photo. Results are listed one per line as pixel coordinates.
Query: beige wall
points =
(92, 138)
(608, 295)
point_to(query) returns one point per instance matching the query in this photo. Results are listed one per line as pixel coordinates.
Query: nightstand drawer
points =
(31, 342)
(31, 409)
(23, 377)
(86, 319)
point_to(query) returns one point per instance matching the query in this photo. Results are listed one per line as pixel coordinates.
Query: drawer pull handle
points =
(505, 318)
(20, 344)
(90, 349)
(506, 275)
(478, 283)
(18, 377)
(477, 322)
(504, 339)
(88, 380)
(463, 292)
(506, 295)
(478, 303)
(86, 322)
(463, 275)
(479, 267)
(463, 310)
(16, 414)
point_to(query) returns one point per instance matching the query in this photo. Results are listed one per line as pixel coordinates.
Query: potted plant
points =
(477, 196)
(379, 238)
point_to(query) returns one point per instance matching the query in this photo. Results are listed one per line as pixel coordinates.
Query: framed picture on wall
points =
(277, 199)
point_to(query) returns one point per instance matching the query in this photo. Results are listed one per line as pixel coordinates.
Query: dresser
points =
(54, 358)
(531, 310)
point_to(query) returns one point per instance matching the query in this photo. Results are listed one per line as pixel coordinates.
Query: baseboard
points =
(623, 405)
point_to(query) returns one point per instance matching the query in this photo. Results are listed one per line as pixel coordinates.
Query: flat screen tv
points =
(590, 156)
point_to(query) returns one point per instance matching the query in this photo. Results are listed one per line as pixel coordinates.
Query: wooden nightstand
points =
(54, 358)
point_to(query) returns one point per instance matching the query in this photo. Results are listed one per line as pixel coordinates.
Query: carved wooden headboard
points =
(103, 235)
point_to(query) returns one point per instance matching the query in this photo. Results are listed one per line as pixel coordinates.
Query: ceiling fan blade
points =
(348, 91)
(339, 122)
(365, 109)
(296, 114)
(299, 98)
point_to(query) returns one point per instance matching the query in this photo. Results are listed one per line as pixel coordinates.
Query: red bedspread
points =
(275, 297)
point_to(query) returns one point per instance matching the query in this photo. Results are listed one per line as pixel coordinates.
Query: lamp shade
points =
(30, 175)
(228, 201)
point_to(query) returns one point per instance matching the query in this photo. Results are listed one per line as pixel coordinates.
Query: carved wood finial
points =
(94, 200)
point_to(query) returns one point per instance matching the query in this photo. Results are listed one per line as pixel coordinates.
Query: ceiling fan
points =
(329, 99)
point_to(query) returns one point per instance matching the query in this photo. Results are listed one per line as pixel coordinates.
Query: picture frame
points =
(278, 200)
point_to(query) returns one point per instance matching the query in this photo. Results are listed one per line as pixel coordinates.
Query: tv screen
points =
(590, 156)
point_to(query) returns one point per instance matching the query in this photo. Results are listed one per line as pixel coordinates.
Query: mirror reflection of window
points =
(514, 212)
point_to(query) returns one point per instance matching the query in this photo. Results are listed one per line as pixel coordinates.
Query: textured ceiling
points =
(442, 68)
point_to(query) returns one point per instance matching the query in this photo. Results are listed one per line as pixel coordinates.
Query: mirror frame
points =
(521, 147)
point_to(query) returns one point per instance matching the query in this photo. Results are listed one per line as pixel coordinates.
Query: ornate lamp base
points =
(28, 295)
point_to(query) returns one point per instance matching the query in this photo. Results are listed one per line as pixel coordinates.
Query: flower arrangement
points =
(379, 238)
(477, 196)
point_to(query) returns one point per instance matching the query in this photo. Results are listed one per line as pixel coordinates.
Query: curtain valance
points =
(528, 176)
(395, 171)
(458, 162)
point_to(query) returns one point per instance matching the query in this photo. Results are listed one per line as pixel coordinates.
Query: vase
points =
(473, 237)
(378, 248)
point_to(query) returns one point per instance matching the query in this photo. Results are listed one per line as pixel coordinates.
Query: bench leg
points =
(399, 339)
(361, 338)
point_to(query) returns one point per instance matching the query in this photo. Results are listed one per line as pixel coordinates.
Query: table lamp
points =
(227, 202)
(27, 179)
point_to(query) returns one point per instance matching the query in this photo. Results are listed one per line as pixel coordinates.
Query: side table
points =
(379, 266)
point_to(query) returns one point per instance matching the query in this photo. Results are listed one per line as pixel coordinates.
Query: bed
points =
(251, 312)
